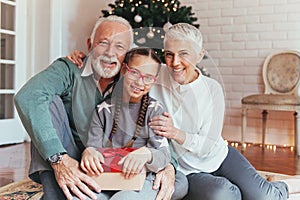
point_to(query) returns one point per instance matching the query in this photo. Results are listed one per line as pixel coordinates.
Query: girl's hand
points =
(91, 161)
(134, 162)
(76, 57)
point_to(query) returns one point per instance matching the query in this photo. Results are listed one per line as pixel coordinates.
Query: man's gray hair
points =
(184, 31)
(112, 18)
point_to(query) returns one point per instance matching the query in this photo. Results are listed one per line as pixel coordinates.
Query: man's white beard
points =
(105, 72)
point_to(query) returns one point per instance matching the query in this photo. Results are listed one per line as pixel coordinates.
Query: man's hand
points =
(76, 57)
(165, 179)
(71, 179)
(134, 162)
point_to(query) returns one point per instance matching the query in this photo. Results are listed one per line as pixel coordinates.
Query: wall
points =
(55, 28)
(239, 34)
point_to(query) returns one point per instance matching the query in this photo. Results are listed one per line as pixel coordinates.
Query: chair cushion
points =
(283, 72)
(272, 99)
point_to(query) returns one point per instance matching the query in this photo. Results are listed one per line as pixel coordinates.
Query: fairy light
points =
(136, 33)
(244, 145)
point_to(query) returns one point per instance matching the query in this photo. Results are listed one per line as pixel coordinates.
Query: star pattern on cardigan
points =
(104, 105)
(155, 105)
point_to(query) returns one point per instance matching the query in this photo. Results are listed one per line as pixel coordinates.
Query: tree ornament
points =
(138, 18)
(150, 34)
(167, 26)
(141, 40)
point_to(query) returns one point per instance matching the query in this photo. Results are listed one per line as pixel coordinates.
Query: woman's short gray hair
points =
(112, 18)
(184, 31)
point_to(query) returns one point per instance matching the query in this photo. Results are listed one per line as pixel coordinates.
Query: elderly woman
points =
(194, 121)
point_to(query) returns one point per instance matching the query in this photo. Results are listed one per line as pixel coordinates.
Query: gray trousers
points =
(236, 179)
(41, 172)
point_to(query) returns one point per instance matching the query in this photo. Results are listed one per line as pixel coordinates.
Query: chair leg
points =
(264, 126)
(244, 125)
(297, 131)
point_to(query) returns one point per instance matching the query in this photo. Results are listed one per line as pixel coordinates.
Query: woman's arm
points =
(206, 114)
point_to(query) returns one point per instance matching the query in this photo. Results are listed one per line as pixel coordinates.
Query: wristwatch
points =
(56, 158)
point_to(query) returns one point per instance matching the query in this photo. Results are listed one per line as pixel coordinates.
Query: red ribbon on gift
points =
(112, 156)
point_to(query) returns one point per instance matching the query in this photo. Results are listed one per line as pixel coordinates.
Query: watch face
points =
(55, 158)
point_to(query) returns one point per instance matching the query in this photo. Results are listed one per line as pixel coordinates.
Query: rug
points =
(29, 190)
(21, 190)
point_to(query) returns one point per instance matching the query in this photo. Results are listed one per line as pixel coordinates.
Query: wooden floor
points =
(14, 160)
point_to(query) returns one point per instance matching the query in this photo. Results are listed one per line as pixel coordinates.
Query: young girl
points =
(122, 121)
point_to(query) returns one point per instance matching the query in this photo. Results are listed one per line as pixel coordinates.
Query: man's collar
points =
(87, 71)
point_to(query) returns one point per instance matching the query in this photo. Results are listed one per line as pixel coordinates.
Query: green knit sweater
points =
(79, 94)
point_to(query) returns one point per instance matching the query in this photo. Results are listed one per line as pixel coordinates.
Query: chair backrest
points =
(281, 72)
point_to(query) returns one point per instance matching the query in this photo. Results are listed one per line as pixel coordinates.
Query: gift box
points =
(112, 178)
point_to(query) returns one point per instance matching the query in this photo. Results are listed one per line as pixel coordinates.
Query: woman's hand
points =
(163, 125)
(134, 162)
(76, 57)
(91, 161)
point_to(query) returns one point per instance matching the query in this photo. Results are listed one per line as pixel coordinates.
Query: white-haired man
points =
(56, 105)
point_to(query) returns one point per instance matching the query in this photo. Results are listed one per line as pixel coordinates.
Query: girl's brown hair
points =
(142, 51)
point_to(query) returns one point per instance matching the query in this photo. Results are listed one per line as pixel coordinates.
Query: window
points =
(7, 68)
(11, 72)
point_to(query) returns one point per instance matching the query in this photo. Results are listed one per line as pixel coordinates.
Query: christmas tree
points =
(151, 18)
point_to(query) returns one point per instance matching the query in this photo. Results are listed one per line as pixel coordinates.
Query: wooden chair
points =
(281, 79)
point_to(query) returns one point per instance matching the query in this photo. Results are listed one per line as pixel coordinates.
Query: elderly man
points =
(55, 107)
